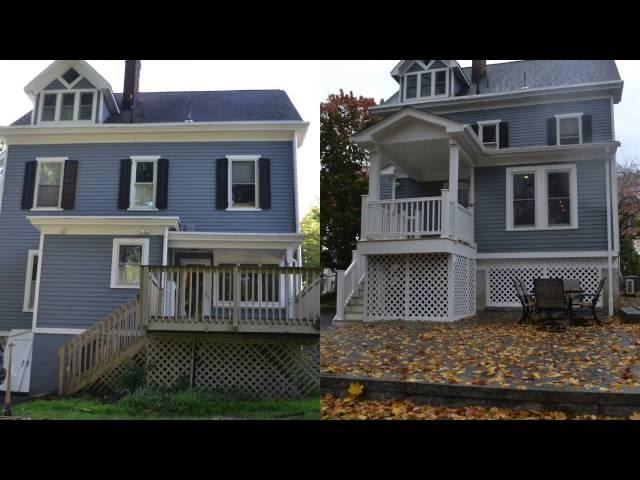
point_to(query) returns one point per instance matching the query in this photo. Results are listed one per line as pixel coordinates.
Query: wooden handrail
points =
(85, 357)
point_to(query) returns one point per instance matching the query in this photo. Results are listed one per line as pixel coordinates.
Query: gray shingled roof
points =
(216, 106)
(509, 76)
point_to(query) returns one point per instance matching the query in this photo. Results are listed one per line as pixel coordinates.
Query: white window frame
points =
(76, 107)
(541, 196)
(566, 116)
(40, 161)
(433, 82)
(485, 123)
(115, 257)
(243, 158)
(27, 281)
(132, 192)
(3, 174)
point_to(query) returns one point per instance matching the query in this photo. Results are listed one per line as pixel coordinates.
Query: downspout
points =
(609, 261)
(295, 193)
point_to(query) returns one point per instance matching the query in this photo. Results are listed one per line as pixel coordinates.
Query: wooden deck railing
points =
(224, 298)
(84, 358)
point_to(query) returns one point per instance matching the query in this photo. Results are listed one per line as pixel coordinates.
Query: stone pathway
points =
(489, 350)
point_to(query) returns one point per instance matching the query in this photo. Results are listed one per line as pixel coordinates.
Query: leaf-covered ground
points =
(332, 408)
(491, 350)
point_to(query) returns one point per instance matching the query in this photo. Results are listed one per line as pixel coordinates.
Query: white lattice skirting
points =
(500, 275)
(418, 287)
(259, 367)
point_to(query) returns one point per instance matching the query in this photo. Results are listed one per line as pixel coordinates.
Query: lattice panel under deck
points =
(261, 369)
(409, 287)
(500, 290)
(168, 359)
(464, 280)
(111, 381)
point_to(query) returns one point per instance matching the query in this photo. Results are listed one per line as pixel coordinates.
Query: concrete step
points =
(356, 301)
(354, 309)
(353, 316)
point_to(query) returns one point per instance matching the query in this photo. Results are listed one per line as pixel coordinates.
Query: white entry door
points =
(195, 290)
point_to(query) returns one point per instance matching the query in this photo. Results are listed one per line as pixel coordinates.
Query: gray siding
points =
(44, 362)
(75, 281)
(490, 217)
(83, 84)
(55, 85)
(191, 197)
(528, 124)
(410, 188)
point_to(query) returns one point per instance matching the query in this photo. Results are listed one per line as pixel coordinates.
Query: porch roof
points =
(104, 225)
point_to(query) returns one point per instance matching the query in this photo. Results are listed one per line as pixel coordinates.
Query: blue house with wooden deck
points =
(481, 175)
(154, 228)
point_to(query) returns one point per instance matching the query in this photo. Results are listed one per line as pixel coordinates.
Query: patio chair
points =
(524, 288)
(528, 304)
(550, 299)
(589, 300)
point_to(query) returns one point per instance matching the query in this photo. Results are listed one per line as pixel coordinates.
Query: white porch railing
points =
(401, 218)
(348, 281)
(412, 218)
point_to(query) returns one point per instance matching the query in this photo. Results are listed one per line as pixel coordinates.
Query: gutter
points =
(487, 97)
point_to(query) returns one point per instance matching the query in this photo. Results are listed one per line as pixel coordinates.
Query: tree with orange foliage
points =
(343, 175)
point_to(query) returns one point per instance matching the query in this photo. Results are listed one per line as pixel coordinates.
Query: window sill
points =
(131, 287)
(541, 229)
(47, 209)
(142, 210)
(243, 209)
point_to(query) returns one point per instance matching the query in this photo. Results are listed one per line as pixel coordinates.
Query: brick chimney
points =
(478, 72)
(131, 82)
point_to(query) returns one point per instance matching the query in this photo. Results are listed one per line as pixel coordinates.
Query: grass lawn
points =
(158, 405)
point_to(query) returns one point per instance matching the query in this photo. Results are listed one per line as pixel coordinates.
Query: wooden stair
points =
(102, 347)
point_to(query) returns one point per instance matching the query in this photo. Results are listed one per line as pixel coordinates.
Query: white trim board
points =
(566, 254)
(59, 331)
(115, 225)
(27, 281)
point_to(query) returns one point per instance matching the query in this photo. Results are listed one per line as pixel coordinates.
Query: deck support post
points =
(236, 297)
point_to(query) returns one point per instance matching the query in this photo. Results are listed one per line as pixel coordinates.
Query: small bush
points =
(133, 378)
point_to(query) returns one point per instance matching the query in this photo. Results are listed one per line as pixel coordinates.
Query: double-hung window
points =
(68, 106)
(144, 178)
(569, 129)
(243, 182)
(543, 197)
(489, 133)
(129, 254)
(48, 189)
(30, 281)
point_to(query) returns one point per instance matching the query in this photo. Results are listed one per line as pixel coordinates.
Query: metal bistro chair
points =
(550, 299)
(527, 302)
(589, 300)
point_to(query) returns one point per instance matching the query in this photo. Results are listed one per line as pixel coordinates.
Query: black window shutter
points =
(29, 184)
(69, 184)
(551, 131)
(504, 134)
(475, 129)
(162, 189)
(125, 184)
(265, 183)
(222, 183)
(587, 135)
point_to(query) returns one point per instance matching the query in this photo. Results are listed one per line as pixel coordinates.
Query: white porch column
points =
(454, 160)
(472, 187)
(374, 173)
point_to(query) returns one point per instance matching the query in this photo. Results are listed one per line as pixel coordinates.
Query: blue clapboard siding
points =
(75, 281)
(191, 197)
(44, 362)
(528, 124)
(192, 181)
(410, 188)
(490, 216)
(386, 186)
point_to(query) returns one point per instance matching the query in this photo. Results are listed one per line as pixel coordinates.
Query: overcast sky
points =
(298, 78)
(372, 78)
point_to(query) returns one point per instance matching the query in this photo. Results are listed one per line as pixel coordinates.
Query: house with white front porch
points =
(480, 175)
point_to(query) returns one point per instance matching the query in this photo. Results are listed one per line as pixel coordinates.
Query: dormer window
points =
(420, 82)
(67, 106)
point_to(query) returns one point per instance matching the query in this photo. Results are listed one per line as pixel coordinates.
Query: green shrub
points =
(132, 379)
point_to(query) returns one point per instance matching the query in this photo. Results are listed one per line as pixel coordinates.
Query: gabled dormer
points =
(70, 93)
(425, 80)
